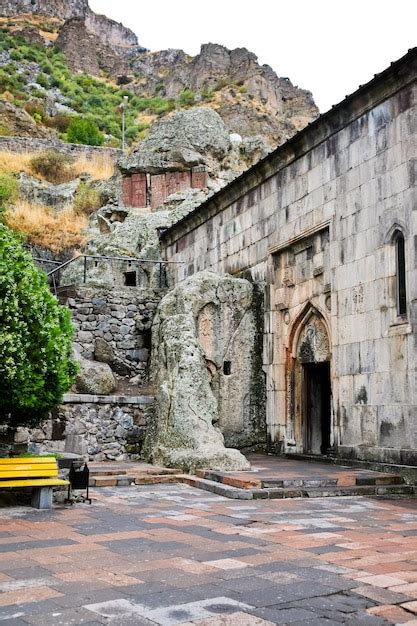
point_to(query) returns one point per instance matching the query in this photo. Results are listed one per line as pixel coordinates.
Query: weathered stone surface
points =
(56, 196)
(316, 221)
(179, 142)
(195, 333)
(94, 377)
(15, 121)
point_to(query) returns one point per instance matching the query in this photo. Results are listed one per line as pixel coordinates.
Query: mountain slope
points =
(61, 57)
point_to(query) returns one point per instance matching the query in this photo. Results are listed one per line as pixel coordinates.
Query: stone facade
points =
(318, 221)
(113, 326)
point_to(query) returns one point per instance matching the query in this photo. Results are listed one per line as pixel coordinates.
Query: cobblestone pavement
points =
(170, 554)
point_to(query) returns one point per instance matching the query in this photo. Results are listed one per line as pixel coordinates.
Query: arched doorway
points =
(310, 406)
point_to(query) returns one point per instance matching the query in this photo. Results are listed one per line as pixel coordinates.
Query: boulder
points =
(185, 432)
(57, 197)
(181, 141)
(93, 377)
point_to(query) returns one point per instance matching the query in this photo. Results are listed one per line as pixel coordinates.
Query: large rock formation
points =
(179, 142)
(15, 121)
(250, 97)
(203, 347)
(87, 51)
(108, 31)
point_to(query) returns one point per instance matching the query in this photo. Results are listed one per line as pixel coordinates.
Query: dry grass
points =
(43, 227)
(99, 168)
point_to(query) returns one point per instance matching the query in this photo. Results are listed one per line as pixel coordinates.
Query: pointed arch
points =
(302, 319)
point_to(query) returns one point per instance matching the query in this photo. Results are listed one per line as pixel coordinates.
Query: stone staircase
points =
(252, 488)
(130, 474)
(286, 481)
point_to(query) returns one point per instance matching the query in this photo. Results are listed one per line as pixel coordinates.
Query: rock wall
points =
(33, 144)
(99, 428)
(109, 31)
(204, 366)
(113, 326)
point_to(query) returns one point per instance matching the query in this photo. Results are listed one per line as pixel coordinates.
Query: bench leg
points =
(42, 498)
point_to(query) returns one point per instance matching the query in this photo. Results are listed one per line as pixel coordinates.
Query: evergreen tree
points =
(36, 334)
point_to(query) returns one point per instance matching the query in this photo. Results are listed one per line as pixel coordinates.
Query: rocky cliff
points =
(251, 99)
(110, 32)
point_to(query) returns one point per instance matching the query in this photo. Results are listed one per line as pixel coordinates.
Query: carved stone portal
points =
(313, 342)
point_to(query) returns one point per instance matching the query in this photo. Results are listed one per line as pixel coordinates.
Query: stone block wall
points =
(33, 144)
(119, 318)
(100, 428)
(316, 225)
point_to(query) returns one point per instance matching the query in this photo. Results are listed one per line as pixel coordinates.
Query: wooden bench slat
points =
(28, 459)
(41, 482)
(30, 474)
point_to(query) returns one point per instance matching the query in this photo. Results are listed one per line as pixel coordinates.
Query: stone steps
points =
(253, 482)
(296, 492)
(250, 486)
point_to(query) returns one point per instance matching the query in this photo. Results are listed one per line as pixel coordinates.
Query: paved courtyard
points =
(171, 554)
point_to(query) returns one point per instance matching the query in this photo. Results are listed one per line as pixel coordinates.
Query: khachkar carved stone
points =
(188, 352)
(313, 343)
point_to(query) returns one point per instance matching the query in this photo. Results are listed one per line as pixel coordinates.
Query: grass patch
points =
(43, 227)
(101, 167)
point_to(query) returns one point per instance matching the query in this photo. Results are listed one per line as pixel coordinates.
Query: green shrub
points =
(53, 166)
(187, 97)
(36, 333)
(9, 191)
(61, 121)
(87, 199)
(43, 80)
(85, 131)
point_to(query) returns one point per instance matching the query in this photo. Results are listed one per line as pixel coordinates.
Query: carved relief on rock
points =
(313, 342)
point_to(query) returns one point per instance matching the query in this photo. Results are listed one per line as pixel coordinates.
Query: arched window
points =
(400, 273)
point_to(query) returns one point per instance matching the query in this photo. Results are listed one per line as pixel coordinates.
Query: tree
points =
(36, 333)
(81, 130)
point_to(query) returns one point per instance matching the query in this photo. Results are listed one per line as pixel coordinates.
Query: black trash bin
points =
(79, 478)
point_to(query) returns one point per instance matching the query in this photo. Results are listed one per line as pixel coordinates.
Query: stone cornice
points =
(384, 85)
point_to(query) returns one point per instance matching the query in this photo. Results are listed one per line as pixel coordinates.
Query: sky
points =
(329, 47)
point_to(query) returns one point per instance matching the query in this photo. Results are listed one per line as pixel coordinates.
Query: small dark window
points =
(400, 273)
(227, 368)
(130, 279)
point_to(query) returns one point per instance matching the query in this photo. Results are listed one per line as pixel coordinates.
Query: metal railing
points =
(54, 275)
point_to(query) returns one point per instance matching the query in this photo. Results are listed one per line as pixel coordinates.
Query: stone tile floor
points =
(170, 554)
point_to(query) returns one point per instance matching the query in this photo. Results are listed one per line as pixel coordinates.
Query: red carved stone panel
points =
(199, 177)
(177, 181)
(158, 190)
(138, 195)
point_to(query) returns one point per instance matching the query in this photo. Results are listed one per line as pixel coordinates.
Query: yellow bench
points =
(41, 473)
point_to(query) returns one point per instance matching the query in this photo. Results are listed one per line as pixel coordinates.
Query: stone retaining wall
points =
(114, 326)
(97, 427)
(34, 144)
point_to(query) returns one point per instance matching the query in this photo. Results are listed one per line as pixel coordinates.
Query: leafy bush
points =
(187, 97)
(81, 130)
(36, 333)
(53, 166)
(87, 199)
(60, 121)
(9, 191)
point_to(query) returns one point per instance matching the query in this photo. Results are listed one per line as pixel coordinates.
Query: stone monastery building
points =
(327, 225)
